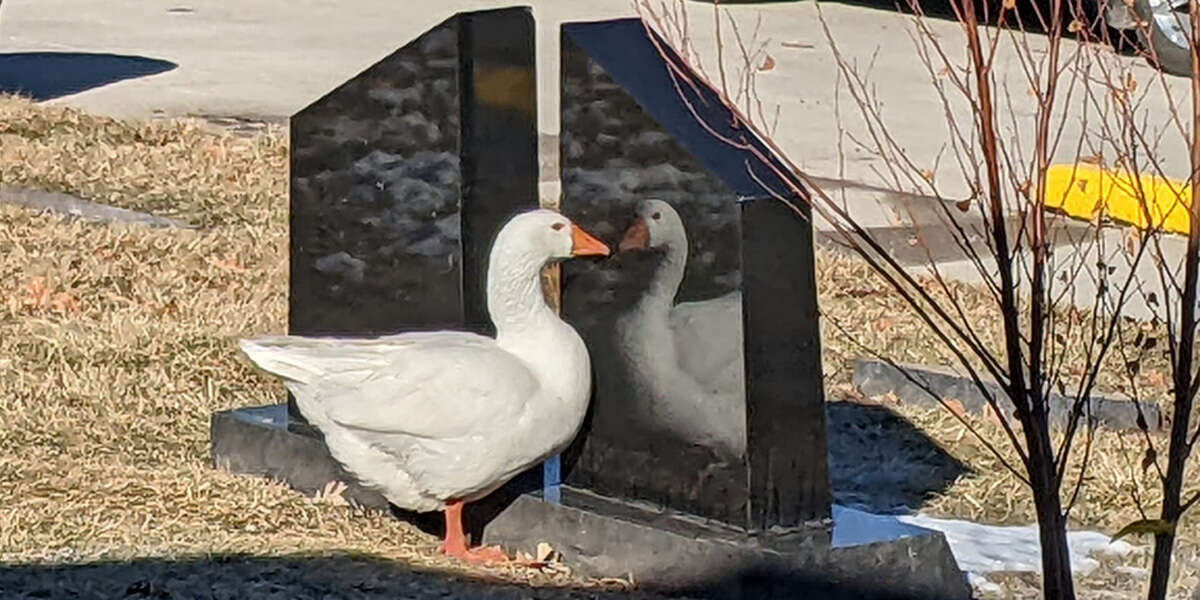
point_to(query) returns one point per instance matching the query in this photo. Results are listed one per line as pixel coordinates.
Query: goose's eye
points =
(558, 226)
(656, 216)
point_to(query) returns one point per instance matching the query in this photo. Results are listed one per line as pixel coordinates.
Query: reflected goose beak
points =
(583, 244)
(637, 237)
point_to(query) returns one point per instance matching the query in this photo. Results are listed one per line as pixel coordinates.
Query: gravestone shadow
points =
(359, 577)
(881, 462)
(49, 75)
(236, 576)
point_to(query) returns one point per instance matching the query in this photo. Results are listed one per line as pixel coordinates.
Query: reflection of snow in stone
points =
(375, 179)
(419, 125)
(442, 243)
(420, 200)
(731, 279)
(396, 98)
(342, 264)
(714, 208)
(650, 138)
(442, 41)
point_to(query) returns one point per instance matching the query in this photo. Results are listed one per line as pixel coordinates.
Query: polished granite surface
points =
(705, 346)
(401, 177)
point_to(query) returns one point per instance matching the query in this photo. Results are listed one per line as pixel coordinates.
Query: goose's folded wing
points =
(434, 385)
(708, 335)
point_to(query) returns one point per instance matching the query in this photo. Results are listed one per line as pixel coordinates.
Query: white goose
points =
(686, 358)
(437, 419)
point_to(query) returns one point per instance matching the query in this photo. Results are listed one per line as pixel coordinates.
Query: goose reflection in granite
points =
(684, 360)
(660, 406)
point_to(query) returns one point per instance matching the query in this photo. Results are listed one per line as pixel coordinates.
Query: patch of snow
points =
(978, 548)
(1132, 571)
(983, 585)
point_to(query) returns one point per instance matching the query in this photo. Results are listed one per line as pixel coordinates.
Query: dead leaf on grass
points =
(889, 398)
(956, 407)
(64, 304)
(1133, 241)
(546, 559)
(991, 416)
(228, 263)
(37, 295)
(1148, 460)
(332, 494)
(1156, 378)
(168, 308)
(545, 552)
(1145, 526)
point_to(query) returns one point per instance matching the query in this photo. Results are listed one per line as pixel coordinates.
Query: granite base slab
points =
(604, 537)
(662, 551)
(259, 440)
(256, 441)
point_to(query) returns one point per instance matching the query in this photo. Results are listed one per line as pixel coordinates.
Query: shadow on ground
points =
(345, 577)
(240, 576)
(880, 462)
(48, 75)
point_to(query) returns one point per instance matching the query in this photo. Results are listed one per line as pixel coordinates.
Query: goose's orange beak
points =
(637, 237)
(583, 244)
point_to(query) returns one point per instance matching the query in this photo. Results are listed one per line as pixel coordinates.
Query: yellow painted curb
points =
(1081, 190)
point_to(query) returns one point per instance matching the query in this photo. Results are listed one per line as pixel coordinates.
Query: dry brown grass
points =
(864, 317)
(117, 342)
(1105, 502)
(867, 314)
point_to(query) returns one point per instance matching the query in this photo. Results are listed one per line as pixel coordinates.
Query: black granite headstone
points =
(401, 177)
(708, 396)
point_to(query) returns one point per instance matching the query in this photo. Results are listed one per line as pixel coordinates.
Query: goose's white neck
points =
(664, 285)
(515, 299)
(529, 330)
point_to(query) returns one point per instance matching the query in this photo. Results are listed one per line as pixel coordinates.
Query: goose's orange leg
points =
(455, 543)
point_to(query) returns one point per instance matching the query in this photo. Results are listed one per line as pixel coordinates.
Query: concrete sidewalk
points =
(268, 58)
